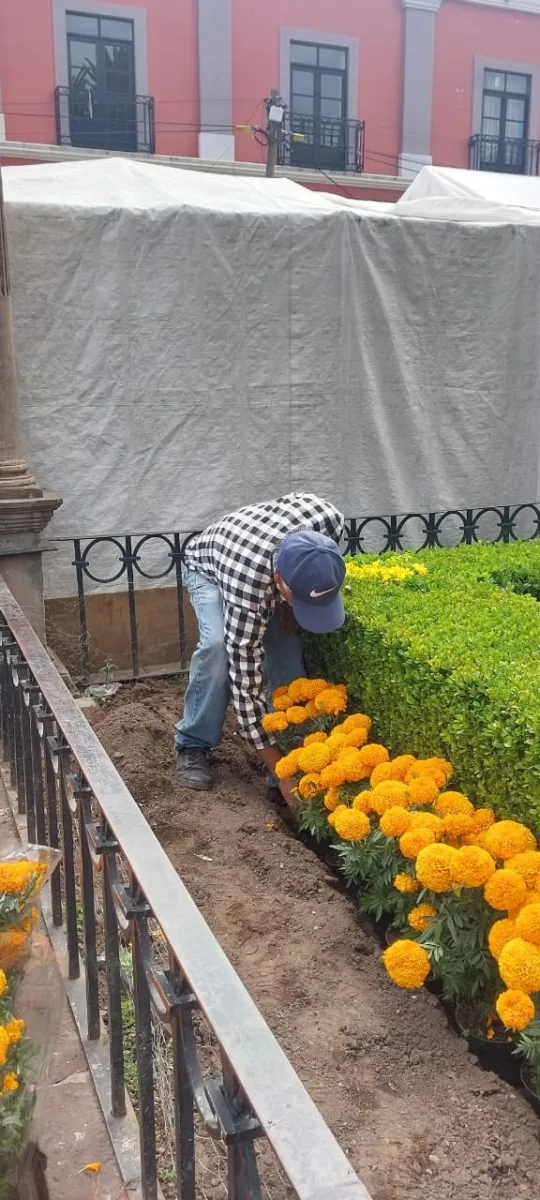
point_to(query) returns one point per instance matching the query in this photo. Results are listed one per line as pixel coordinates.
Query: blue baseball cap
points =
(313, 568)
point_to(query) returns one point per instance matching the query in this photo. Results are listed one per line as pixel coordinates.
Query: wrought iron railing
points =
(74, 799)
(514, 156)
(99, 121)
(325, 143)
(370, 534)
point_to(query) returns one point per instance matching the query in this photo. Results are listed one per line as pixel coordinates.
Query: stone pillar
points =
(419, 50)
(25, 509)
(215, 80)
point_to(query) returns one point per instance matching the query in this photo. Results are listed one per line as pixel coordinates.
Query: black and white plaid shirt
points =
(237, 553)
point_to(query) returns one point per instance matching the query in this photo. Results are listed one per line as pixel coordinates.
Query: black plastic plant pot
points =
(493, 1055)
(532, 1097)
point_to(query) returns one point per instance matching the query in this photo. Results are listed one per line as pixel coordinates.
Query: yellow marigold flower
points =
(435, 866)
(414, 841)
(313, 739)
(500, 933)
(407, 963)
(457, 825)
(453, 802)
(505, 890)
(351, 825)
(299, 691)
(395, 822)
(397, 791)
(331, 799)
(527, 865)
(356, 721)
(381, 773)
(507, 838)
(406, 884)
(310, 786)
(287, 766)
(422, 770)
(483, 819)
(528, 923)
(373, 754)
(315, 687)
(336, 741)
(423, 790)
(10, 1083)
(400, 766)
(472, 866)
(332, 701)
(420, 917)
(314, 758)
(275, 722)
(427, 820)
(281, 702)
(515, 1009)
(332, 816)
(4, 1045)
(356, 737)
(519, 965)
(15, 1031)
(333, 776)
(439, 764)
(380, 803)
(3, 982)
(13, 948)
(311, 711)
(353, 766)
(296, 715)
(17, 875)
(362, 802)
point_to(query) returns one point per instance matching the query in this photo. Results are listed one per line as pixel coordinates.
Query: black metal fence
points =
(514, 156)
(74, 799)
(326, 143)
(100, 121)
(131, 555)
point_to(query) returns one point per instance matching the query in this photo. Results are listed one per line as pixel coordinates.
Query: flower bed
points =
(442, 648)
(461, 888)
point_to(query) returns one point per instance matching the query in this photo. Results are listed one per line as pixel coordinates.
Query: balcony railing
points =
(509, 156)
(118, 885)
(324, 144)
(98, 121)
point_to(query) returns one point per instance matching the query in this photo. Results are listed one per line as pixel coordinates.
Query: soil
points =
(404, 1097)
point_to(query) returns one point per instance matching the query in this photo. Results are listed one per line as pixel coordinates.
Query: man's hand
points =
(270, 756)
(291, 799)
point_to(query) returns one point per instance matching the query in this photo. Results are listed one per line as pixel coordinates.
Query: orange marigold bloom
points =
(287, 766)
(356, 721)
(453, 802)
(483, 819)
(507, 838)
(282, 701)
(381, 773)
(312, 739)
(500, 933)
(373, 754)
(423, 790)
(333, 776)
(353, 766)
(296, 715)
(527, 865)
(400, 766)
(472, 866)
(299, 691)
(351, 825)
(13, 949)
(275, 722)
(398, 792)
(427, 820)
(406, 884)
(434, 867)
(519, 965)
(10, 1083)
(17, 875)
(528, 923)
(15, 1031)
(332, 701)
(420, 917)
(505, 890)
(356, 737)
(332, 799)
(414, 841)
(310, 786)
(457, 825)
(314, 758)
(395, 822)
(362, 802)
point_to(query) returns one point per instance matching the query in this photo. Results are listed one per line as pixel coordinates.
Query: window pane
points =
(118, 57)
(331, 109)
(303, 83)
(302, 104)
(302, 53)
(123, 30)
(82, 57)
(118, 84)
(491, 107)
(328, 57)
(81, 24)
(332, 86)
(517, 83)
(490, 128)
(494, 80)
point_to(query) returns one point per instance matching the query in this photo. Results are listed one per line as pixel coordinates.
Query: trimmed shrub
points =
(448, 663)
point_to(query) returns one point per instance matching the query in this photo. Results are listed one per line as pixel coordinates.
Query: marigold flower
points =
(296, 715)
(312, 739)
(505, 890)
(393, 788)
(519, 965)
(395, 822)
(439, 764)
(507, 838)
(4, 1045)
(527, 865)
(457, 825)
(427, 820)
(299, 691)
(275, 722)
(406, 884)
(362, 802)
(10, 1083)
(332, 700)
(309, 786)
(434, 867)
(332, 799)
(400, 766)
(515, 1009)
(373, 754)
(332, 815)
(281, 701)
(351, 825)
(472, 866)
(356, 737)
(311, 711)
(3, 982)
(528, 923)
(315, 687)
(423, 769)
(287, 766)
(420, 917)
(423, 790)
(453, 802)
(15, 1031)
(353, 766)
(17, 875)
(313, 758)
(483, 819)
(407, 963)
(333, 775)
(13, 948)
(414, 841)
(356, 721)
(500, 933)
(381, 773)
(336, 741)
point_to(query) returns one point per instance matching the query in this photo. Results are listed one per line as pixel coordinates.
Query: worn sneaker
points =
(193, 770)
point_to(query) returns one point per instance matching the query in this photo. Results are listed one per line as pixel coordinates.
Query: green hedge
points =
(449, 664)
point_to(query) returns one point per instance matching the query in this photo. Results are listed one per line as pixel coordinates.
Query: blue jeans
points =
(208, 690)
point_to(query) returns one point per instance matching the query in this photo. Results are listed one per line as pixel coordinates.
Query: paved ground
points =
(69, 1123)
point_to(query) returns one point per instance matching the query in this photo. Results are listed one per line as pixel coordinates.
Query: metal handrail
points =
(63, 778)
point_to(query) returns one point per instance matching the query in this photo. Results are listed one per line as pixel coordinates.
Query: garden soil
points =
(417, 1116)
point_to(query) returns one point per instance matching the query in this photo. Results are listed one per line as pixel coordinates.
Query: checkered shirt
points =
(237, 553)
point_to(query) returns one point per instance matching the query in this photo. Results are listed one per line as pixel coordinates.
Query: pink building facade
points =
(372, 90)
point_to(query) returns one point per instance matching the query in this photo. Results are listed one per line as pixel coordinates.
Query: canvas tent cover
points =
(188, 343)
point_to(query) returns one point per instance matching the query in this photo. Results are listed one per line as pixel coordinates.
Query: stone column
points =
(419, 50)
(215, 80)
(25, 509)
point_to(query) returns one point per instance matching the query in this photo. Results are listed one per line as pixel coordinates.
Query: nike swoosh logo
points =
(317, 595)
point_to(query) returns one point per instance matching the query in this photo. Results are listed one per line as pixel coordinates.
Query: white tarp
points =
(512, 191)
(189, 343)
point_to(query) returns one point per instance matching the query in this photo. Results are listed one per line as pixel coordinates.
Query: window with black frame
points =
(318, 106)
(102, 91)
(505, 122)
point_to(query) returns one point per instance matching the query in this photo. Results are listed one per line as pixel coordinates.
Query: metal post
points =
(275, 115)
